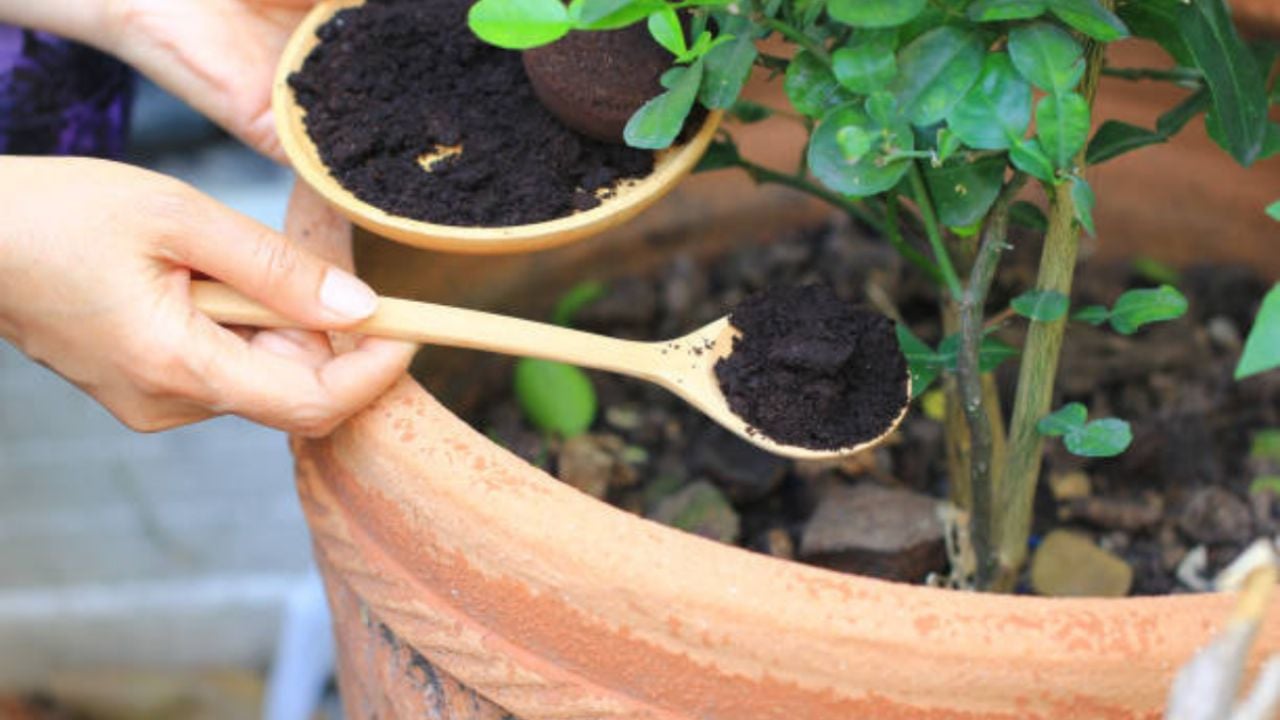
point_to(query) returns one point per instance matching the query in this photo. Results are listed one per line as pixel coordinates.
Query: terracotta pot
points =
(467, 584)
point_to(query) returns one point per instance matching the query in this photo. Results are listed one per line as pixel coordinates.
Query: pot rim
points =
(480, 534)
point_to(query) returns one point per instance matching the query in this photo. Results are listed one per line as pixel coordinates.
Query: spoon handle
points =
(431, 324)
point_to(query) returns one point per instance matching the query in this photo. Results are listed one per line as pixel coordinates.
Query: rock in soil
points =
(701, 509)
(742, 470)
(1115, 513)
(870, 529)
(1214, 515)
(1067, 564)
(595, 463)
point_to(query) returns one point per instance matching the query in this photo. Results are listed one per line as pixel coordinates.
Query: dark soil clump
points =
(813, 371)
(394, 81)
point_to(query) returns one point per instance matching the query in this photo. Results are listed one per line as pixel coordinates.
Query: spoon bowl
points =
(685, 365)
(623, 202)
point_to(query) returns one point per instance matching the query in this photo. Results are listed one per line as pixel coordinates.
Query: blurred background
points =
(160, 576)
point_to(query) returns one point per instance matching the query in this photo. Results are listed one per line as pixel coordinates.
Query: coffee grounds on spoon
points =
(813, 371)
(393, 81)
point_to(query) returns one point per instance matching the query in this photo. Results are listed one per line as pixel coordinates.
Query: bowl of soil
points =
(418, 131)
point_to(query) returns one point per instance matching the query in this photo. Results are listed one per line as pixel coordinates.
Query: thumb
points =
(270, 268)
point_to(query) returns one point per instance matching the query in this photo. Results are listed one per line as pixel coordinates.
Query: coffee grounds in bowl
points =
(393, 81)
(812, 370)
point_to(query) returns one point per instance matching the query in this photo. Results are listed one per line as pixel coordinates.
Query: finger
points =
(269, 268)
(305, 348)
(289, 391)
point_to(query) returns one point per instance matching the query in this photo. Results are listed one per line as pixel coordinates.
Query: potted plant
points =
(471, 559)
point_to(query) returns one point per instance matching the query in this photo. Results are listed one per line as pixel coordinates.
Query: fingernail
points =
(346, 295)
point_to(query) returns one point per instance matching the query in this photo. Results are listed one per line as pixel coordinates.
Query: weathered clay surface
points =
(551, 604)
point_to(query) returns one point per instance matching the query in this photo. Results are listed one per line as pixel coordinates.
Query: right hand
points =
(96, 261)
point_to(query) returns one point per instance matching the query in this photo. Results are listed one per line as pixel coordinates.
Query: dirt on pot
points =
(399, 86)
(1179, 505)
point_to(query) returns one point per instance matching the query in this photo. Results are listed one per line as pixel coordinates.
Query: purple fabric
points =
(61, 98)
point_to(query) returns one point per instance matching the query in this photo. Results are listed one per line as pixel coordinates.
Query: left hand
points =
(218, 55)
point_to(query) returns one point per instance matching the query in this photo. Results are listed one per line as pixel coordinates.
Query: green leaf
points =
(519, 24)
(1093, 315)
(1234, 79)
(997, 10)
(935, 72)
(869, 64)
(578, 297)
(996, 111)
(922, 361)
(1041, 305)
(883, 108)
(1062, 124)
(1028, 215)
(1137, 308)
(1064, 420)
(728, 66)
(1100, 439)
(1274, 210)
(721, 153)
(1265, 446)
(1047, 56)
(555, 397)
(665, 27)
(1029, 157)
(1155, 271)
(875, 13)
(992, 353)
(1090, 18)
(855, 142)
(963, 192)
(1116, 138)
(868, 174)
(1262, 349)
(658, 122)
(748, 112)
(1085, 202)
(610, 14)
(811, 87)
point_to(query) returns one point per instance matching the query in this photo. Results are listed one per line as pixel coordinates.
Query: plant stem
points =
(893, 231)
(1040, 355)
(799, 38)
(1178, 76)
(995, 237)
(932, 230)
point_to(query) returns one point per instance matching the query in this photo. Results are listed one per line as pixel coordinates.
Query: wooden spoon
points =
(685, 366)
(623, 203)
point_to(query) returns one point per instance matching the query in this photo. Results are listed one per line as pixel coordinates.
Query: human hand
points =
(218, 55)
(95, 270)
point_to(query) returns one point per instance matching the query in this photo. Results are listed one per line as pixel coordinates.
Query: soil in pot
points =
(395, 85)
(1179, 504)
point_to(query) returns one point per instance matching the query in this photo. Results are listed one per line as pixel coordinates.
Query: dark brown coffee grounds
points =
(393, 81)
(813, 371)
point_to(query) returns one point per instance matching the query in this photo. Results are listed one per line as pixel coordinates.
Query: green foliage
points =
(1103, 438)
(1262, 349)
(811, 86)
(936, 71)
(1047, 56)
(578, 297)
(555, 397)
(1000, 10)
(1062, 124)
(519, 24)
(657, 124)
(866, 174)
(1137, 308)
(1274, 210)
(996, 111)
(964, 191)
(1090, 18)
(1041, 305)
(1085, 201)
(926, 364)
(867, 64)
(875, 13)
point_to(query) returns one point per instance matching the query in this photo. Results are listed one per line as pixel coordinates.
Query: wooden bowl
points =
(626, 201)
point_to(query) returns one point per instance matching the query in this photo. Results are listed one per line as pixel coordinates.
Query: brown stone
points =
(870, 529)
(1068, 564)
